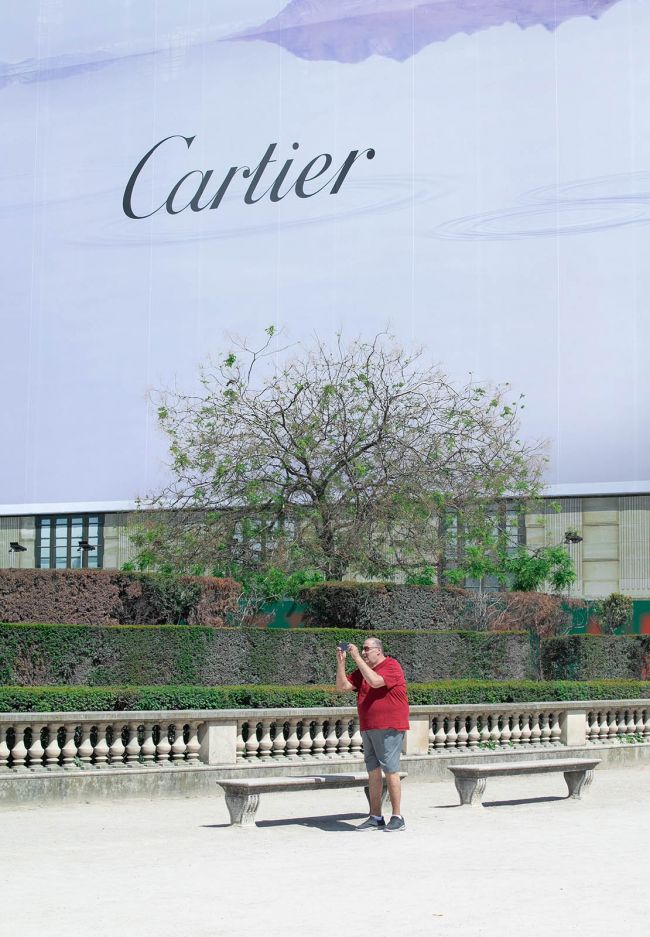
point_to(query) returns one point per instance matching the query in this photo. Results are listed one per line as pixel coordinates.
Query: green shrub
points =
(382, 606)
(596, 657)
(107, 597)
(444, 693)
(615, 613)
(55, 654)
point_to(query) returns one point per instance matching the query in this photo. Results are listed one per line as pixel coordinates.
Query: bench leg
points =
(470, 791)
(242, 808)
(577, 781)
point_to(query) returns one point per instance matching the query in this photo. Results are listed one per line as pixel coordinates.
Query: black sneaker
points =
(372, 824)
(394, 824)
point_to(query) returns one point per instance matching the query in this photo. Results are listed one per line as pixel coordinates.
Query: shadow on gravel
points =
(521, 802)
(335, 824)
(504, 803)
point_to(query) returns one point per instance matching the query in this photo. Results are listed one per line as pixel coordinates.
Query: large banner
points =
(474, 176)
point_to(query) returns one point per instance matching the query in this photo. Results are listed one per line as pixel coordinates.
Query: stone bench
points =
(470, 780)
(243, 794)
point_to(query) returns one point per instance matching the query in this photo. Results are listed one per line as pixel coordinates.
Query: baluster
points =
(525, 729)
(18, 749)
(252, 743)
(52, 749)
(266, 743)
(356, 742)
(440, 735)
(630, 726)
(612, 723)
(193, 744)
(319, 739)
(432, 734)
(535, 730)
(473, 736)
(515, 734)
(505, 730)
(69, 750)
(556, 731)
(463, 734)
(4, 748)
(85, 749)
(646, 722)
(592, 726)
(240, 744)
(495, 731)
(102, 749)
(485, 727)
(640, 722)
(279, 741)
(305, 747)
(331, 740)
(117, 747)
(545, 730)
(36, 750)
(148, 750)
(133, 745)
(343, 729)
(603, 725)
(293, 742)
(163, 746)
(178, 745)
(452, 735)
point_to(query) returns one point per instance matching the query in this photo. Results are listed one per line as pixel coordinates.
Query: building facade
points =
(612, 556)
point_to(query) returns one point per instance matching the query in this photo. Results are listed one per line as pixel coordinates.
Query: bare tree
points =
(346, 459)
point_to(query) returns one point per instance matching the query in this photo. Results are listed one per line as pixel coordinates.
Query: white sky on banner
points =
(502, 223)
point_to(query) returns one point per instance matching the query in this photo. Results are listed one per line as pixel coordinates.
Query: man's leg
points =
(394, 785)
(375, 785)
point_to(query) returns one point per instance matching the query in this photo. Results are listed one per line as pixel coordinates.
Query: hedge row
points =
(112, 597)
(370, 606)
(596, 657)
(33, 655)
(458, 692)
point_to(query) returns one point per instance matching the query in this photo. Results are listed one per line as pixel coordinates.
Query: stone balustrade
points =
(64, 741)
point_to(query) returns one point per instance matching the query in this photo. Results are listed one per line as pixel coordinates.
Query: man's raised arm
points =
(342, 682)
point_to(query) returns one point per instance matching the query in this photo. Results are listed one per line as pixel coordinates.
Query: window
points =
(70, 541)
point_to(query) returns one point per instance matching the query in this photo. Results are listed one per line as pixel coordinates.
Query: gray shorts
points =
(382, 748)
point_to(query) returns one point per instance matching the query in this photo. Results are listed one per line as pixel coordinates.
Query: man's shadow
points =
(335, 824)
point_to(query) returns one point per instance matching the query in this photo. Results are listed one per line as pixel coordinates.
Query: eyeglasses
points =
(371, 648)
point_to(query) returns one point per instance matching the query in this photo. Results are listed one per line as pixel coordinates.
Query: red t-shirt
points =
(386, 707)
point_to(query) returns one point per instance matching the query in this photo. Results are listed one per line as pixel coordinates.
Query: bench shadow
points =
(522, 800)
(334, 824)
(505, 803)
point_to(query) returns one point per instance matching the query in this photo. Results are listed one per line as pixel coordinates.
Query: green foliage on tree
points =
(347, 459)
(615, 613)
(519, 569)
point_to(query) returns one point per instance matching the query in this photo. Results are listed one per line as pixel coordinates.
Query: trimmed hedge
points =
(382, 606)
(367, 606)
(113, 597)
(458, 692)
(595, 657)
(33, 655)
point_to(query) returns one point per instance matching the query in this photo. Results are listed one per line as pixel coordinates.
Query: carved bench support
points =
(577, 781)
(470, 791)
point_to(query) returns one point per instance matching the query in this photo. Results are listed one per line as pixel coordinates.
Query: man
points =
(384, 718)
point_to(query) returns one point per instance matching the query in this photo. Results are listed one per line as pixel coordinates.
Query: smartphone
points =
(343, 646)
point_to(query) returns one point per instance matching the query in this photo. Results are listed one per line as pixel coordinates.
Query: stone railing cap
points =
(230, 715)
